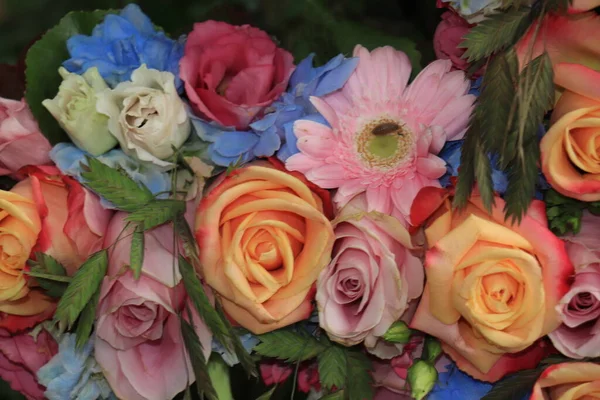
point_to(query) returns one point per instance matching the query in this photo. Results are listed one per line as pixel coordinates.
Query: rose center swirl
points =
(384, 143)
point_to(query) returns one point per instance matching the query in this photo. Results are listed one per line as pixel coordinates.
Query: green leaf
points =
(339, 395)
(82, 288)
(190, 247)
(115, 186)
(268, 394)
(86, 320)
(50, 275)
(358, 379)
(495, 33)
(42, 63)
(516, 386)
(332, 367)
(289, 346)
(157, 212)
(244, 358)
(136, 257)
(215, 322)
(194, 349)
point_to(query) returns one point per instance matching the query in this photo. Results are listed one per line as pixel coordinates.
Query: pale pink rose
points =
(21, 142)
(579, 335)
(232, 73)
(274, 372)
(21, 356)
(448, 36)
(371, 278)
(139, 344)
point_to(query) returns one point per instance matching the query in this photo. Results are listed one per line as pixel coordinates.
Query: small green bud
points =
(219, 376)
(431, 349)
(399, 332)
(421, 378)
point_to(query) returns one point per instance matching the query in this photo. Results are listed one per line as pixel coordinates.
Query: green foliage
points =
(82, 288)
(515, 386)
(332, 366)
(157, 212)
(86, 320)
(115, 186)
(268, 394)
(358, 376)
(194, 349)
(50, 275)
(43, 60)
(564, 213)
(136, 256)
(496, 33)
(290, 346)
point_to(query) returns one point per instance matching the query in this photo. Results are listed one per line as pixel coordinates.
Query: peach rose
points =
(492, 288)
(568, 381)
(264, 239)
(570, 152)
(50, 213)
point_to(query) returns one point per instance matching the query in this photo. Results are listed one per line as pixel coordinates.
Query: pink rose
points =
(139, 343)
(232, 73)
(21, 142)
(274, 372)
(448, 36)
(371, 278)
(20, 358)
(579, 335)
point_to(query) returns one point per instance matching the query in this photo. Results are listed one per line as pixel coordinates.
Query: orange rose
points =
(264, 239)
(50, 213)
(570, 152)
(568, 381)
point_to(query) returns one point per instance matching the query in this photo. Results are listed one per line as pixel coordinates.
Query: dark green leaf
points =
(339, 395)
(115, 186)
(516, 386)
(136, 257)
(358, 379)
(86, 320)
(43, 60)
(82, 288)
(268, 394)
(244, 358)
(157, 212)
(50, 275)
(332, 367)
(495, 33)
(289, 346)
(194, 349)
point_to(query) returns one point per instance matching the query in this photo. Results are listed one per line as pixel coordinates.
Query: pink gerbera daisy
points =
(384, 135)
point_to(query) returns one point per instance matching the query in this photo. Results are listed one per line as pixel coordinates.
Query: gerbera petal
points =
(327, 176)
(431, 167)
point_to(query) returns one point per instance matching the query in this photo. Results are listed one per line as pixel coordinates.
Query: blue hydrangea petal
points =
(234, 144)
(269, 142)
(115, 27)
(303, 72)
(455, 384)
(133, 13)
(336, 78)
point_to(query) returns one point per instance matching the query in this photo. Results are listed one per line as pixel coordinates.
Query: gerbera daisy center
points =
(384, 142)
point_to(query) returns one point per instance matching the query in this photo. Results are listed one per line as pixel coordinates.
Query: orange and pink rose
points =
(492, 288)
(264, 237)
(568, 381)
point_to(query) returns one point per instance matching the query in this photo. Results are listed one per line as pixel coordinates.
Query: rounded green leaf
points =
(43, 60)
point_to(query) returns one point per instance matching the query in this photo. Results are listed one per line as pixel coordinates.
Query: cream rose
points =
(146, 115)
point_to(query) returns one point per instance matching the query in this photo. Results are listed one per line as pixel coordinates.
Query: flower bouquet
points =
(183, 216)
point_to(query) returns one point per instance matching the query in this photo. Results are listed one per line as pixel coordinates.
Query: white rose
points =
(74, 107)
(146, 115)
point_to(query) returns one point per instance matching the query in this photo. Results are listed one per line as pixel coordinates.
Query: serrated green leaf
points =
(244, 358)
(50, 275)
(43, 60)
(516, 386)
(86, 320)
(339, 395)
(136, 256)
(495, 33)
(194, 349)
(157, 212)
(82, 288)
(115, 186)
(289, 346)
(358, 380)
(332, 367)
(218, 325)
(268, 394)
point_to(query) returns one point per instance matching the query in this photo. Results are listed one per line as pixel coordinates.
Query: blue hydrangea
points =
(121, 44)
(68, 159)
(74, 374)
(455, 384)
(273, 133)
(249, 341)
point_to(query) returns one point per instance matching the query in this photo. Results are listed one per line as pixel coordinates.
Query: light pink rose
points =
(274, 372)
(20, 358)
(139, 344)
(21, 142)
(579, 335)
(448, 36)
(371, 278)
(232, 73)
